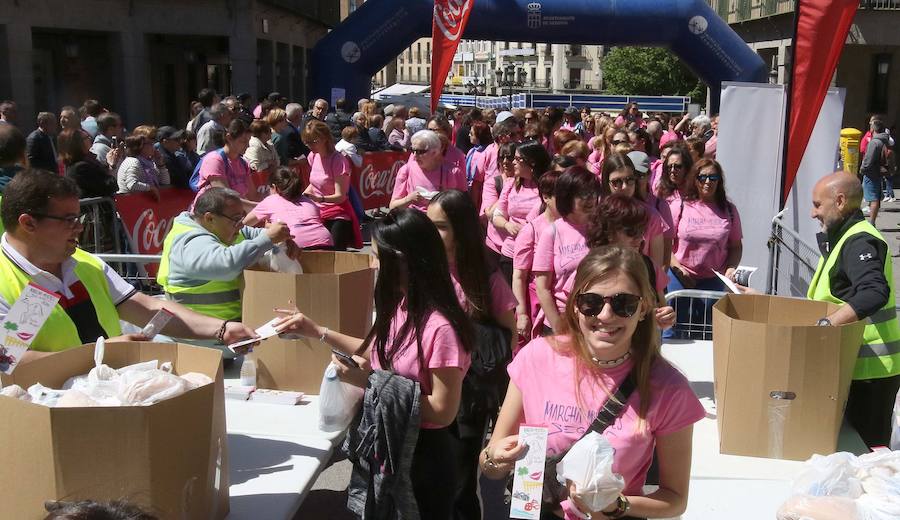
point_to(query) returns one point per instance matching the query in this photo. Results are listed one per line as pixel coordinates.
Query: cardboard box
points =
(336, 290)
(169, 457)
(765, 344)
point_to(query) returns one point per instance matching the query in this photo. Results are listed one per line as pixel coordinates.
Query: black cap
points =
(274, 96)
(166, 132)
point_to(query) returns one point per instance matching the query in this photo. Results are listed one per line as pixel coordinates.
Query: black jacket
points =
(858, 275)
(337, 121)
(379, 139)
(39, 149)
(92, 178)
(180, 169)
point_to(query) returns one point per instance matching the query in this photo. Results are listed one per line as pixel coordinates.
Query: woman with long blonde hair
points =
(607, 344)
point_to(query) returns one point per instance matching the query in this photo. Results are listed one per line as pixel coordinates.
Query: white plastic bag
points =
(338, 401)
(895, 425)
(150, 386)
(280, 262)
(588, 464)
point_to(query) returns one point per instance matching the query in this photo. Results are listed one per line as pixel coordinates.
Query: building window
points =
(881, 69)
(409, 73)
(533, 75)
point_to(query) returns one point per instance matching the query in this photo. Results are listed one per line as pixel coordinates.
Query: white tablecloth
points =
(731, 486)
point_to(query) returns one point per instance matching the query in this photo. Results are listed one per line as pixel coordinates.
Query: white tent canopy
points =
(399, 89)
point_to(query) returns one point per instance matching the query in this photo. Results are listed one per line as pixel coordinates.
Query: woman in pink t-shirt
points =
(287, 203)
(619, 176)
(480, 136)
(233, 172)
(523, 258)
(421, 333)
(493, 187)
(520, 201)
(562, 245)
(676, 178)
(487, 299)
(329, 183)
(561, 382)
(630, 114)
(426, 174)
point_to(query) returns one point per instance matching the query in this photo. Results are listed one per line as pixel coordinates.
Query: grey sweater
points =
(871, 163)
(197, 257)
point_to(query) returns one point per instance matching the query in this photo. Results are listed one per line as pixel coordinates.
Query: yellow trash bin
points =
(850, 138)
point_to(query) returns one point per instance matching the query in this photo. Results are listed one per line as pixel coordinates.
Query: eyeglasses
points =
(616, 142)
(235, 221)
(419, 151)
(623, 305)
(71, 221)
(711, 178)
(675, 166)
(617, 183)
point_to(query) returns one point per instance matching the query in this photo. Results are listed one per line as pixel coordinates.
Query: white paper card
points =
(157, 323)
(23, 321)
(265, 331)
(528, 477)
(741, 275)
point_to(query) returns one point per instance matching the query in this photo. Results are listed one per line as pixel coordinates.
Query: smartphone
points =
(345, 359)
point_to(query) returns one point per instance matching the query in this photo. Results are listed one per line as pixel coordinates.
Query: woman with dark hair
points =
(486, 298)
(523, 257)
(142, 169)
(329, 184)
(520, 201)
(421, 333)
(188, 150)
(480, 137)
(630, 114)
(226, 167)
(708, 236)
(642, 142)
(619, 177)
(82, 166)
(563, 244)
(605, 352)
(490, 195)
(621, 220)
(676, 179)
(287, 203)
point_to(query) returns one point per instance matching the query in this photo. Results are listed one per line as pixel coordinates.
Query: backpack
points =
(888, 163)
(484, 385)
(194, 183)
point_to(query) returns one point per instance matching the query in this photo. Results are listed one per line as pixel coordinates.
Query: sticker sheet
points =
(528, 476)
(23, 321)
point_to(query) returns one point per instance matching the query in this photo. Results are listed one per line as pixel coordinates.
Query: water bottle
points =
(248, 372)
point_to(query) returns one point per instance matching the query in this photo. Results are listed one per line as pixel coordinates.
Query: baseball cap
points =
(389, 110)
(503, 116)
(166, 132)
(640, 160)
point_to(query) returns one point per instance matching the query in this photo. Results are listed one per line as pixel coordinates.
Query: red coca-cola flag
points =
(449, 22)
(822, 28)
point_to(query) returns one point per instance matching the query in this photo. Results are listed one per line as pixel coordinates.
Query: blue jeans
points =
(696, 312)
(888, 186)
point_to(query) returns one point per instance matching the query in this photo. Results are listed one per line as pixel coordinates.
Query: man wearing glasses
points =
(41, 213)
(206, 251)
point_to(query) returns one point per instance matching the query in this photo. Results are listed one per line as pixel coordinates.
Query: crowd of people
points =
(548, 235)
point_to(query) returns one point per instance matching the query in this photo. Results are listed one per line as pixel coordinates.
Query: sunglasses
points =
(710, 178)
(615, 142)
(419, 151)
(617, 183)
(623, 305)
(676, 166)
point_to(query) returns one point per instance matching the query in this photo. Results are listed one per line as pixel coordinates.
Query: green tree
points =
(649, 71)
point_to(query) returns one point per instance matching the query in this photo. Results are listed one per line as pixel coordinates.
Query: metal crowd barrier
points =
(133, 268)
(101, 226)
(792, 261)
(693, 317)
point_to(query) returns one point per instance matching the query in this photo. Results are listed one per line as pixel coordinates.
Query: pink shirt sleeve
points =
(489, 194)
(400, 188)
(344, 167)
(502, 298)
(676, 405)
(264, 209)
(503, 202)
(212, 166)
(446, 350)
(543, 251)
(737, 232)
(523, 251)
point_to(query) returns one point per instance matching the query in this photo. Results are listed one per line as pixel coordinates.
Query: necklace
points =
(612, 363)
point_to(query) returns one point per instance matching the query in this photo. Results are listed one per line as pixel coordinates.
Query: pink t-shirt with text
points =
(554, 395)
(324, 174)
(704, 231)
(410, 178)
(559, 250)
(518, 205)
(440, 349)
(302, 217)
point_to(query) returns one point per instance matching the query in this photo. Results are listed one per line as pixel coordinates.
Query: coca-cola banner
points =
(374, 180)
(147, 221)
(448, 23)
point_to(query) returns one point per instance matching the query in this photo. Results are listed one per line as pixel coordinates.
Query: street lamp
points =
(474, 85)
(511, 76)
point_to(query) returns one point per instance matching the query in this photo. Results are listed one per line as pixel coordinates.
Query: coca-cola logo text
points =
(448, 17)
(150, 232)
(375, 183)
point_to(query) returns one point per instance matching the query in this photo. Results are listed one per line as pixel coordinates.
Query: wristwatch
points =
(824, 322)
(622, 507)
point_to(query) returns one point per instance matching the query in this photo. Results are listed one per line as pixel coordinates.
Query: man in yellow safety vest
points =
(855, 272)
(41, 213)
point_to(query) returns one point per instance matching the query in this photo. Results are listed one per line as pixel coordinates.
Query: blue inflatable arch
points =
(380, 30)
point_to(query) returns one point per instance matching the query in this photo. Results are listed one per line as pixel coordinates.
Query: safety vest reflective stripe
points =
(219, 299)
(205, 299)
(59, 331)
(883, 315)
(879, 354)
